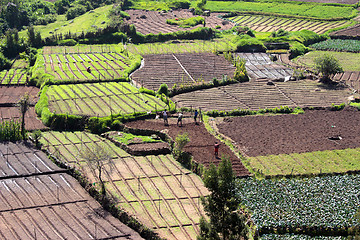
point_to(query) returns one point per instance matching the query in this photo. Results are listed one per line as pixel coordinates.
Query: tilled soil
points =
(285, 134)
(201, 145)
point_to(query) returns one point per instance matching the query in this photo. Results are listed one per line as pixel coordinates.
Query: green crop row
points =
(316, 206)
(103, 48)
(344, 45)
(298, 9)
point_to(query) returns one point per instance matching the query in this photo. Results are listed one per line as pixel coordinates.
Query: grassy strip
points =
(299, 9)
(186, 22)
(245, 112)
(348, 61)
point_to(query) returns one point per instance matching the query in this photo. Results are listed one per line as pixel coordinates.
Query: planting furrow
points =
(161, 196)
(91, 73)
(95, 102)
(85, 102)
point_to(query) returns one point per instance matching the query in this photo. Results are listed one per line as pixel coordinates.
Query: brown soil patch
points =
(149, 148)
(285, 134)
(155, 22)
(351, 78)
(13, 94)
(31, 120)
(201, 144)
(352, 32)
(181, 69)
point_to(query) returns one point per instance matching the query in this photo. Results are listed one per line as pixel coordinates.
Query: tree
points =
(327, 65)
(98, 157)
(24, 105)
(222, 205)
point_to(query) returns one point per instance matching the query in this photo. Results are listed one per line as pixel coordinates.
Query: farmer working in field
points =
(165, 116)
(216, 149)
(196, 113)
(88, 69)
(179, 121)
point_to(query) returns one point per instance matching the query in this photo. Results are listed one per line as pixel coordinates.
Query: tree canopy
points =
(327, 65)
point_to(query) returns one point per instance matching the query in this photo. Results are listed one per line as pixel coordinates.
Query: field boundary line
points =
(183, 68)
(33, 174)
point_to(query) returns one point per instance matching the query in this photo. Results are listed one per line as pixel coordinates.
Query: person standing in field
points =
(165, 116)
(196, 113)
(216, 149)
(179, 121)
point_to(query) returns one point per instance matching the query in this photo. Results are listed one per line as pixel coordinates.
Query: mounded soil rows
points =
(351, 32)
(255, 95)
(352, 78)
(285, 134)
(201, 145)
(13, 94)
(181, 69)
(155, 22)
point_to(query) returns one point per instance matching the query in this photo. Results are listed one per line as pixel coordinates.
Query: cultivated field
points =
(259, 66)
(261, 23)
(100, 99)
(351, 78)
(155, 22)
(181, 69)
(351, 32)
(13, 77)
(298, 144)
(10, 95)
(13, 113)
(255, 95)
(156, 189)
(73, 66)
(35, 193)
(201, 145)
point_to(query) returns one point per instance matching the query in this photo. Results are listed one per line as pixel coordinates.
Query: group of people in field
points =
(197, 114)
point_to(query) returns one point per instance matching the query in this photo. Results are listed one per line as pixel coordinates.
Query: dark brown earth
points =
(201, 144)
(353, 32)
(285, 134)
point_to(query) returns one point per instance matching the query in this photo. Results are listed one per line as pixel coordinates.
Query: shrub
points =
(297, 49)
(337, 107)
(163, 89)
(4, 62)
(327, 65)
(10, 131)
(186, 22)
(67, 42)
(177, 4)
(279, 33)
(75, 12)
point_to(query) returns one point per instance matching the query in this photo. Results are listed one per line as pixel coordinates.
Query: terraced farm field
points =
(351, 32)
(259, 66)
(13, 77)
(35, 193)
(269, 24)
(31, 120)
(298, 144)
(255, 95)
(181, 69)
(156, 189)
(155, 22)
(351, 78)
(100, 99)
(105, 65)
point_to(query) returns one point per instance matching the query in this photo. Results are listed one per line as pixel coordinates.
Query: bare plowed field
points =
(269, 24)
(259, 66)
(201, 145)
(38, 200)
(255, 95)
(31, 120)
(155, 22)
(181, 69)
(351, 32)
(350, 78)
(13, 94)
(156, 189)
(265, 135)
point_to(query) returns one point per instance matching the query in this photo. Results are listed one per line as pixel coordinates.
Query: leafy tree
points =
(221, 206)
(24, 105)
(327, 65)
(98, 157)
(163, 89)
(34, 37)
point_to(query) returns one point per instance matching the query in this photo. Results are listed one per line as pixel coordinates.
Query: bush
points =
(10, 131)
(67, 42)
(186, 22)
(249, 44)
(4, 62)
(177, 4)
(75, 12)
(297, 49)
(163, 89)
(279, 33)
(327, 65)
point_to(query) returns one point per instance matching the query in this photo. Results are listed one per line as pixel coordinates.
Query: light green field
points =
(335, 161)
(348, 61)
(157, 190)
(97, 17)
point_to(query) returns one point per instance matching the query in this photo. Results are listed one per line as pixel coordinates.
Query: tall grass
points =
(10, 130)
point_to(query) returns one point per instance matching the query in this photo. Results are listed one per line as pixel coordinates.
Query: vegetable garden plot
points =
(255, 95)
(102, 48)
(181, 69)
(259, 65)
(13, 77)
(155, 22)
(13, 94)
(156, 189)
(270, 24)
(54, 206)
(100, 99)
(85, 65)
(327, 203)
(18, 159)
(31, 120)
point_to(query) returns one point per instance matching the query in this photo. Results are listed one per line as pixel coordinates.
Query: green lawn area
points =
(348, 61)
(338, 161)
(97, 17)
(310, 10)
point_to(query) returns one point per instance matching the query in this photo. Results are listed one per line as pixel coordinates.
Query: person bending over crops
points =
(179, 120)
(165, 117)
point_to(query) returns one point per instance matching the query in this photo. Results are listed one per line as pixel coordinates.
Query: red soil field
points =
(350, 32)
(155, 22)
(285, 134)
(201, 145)
(31, 120)
(38, 200)
(181, 69)
(12, 94)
